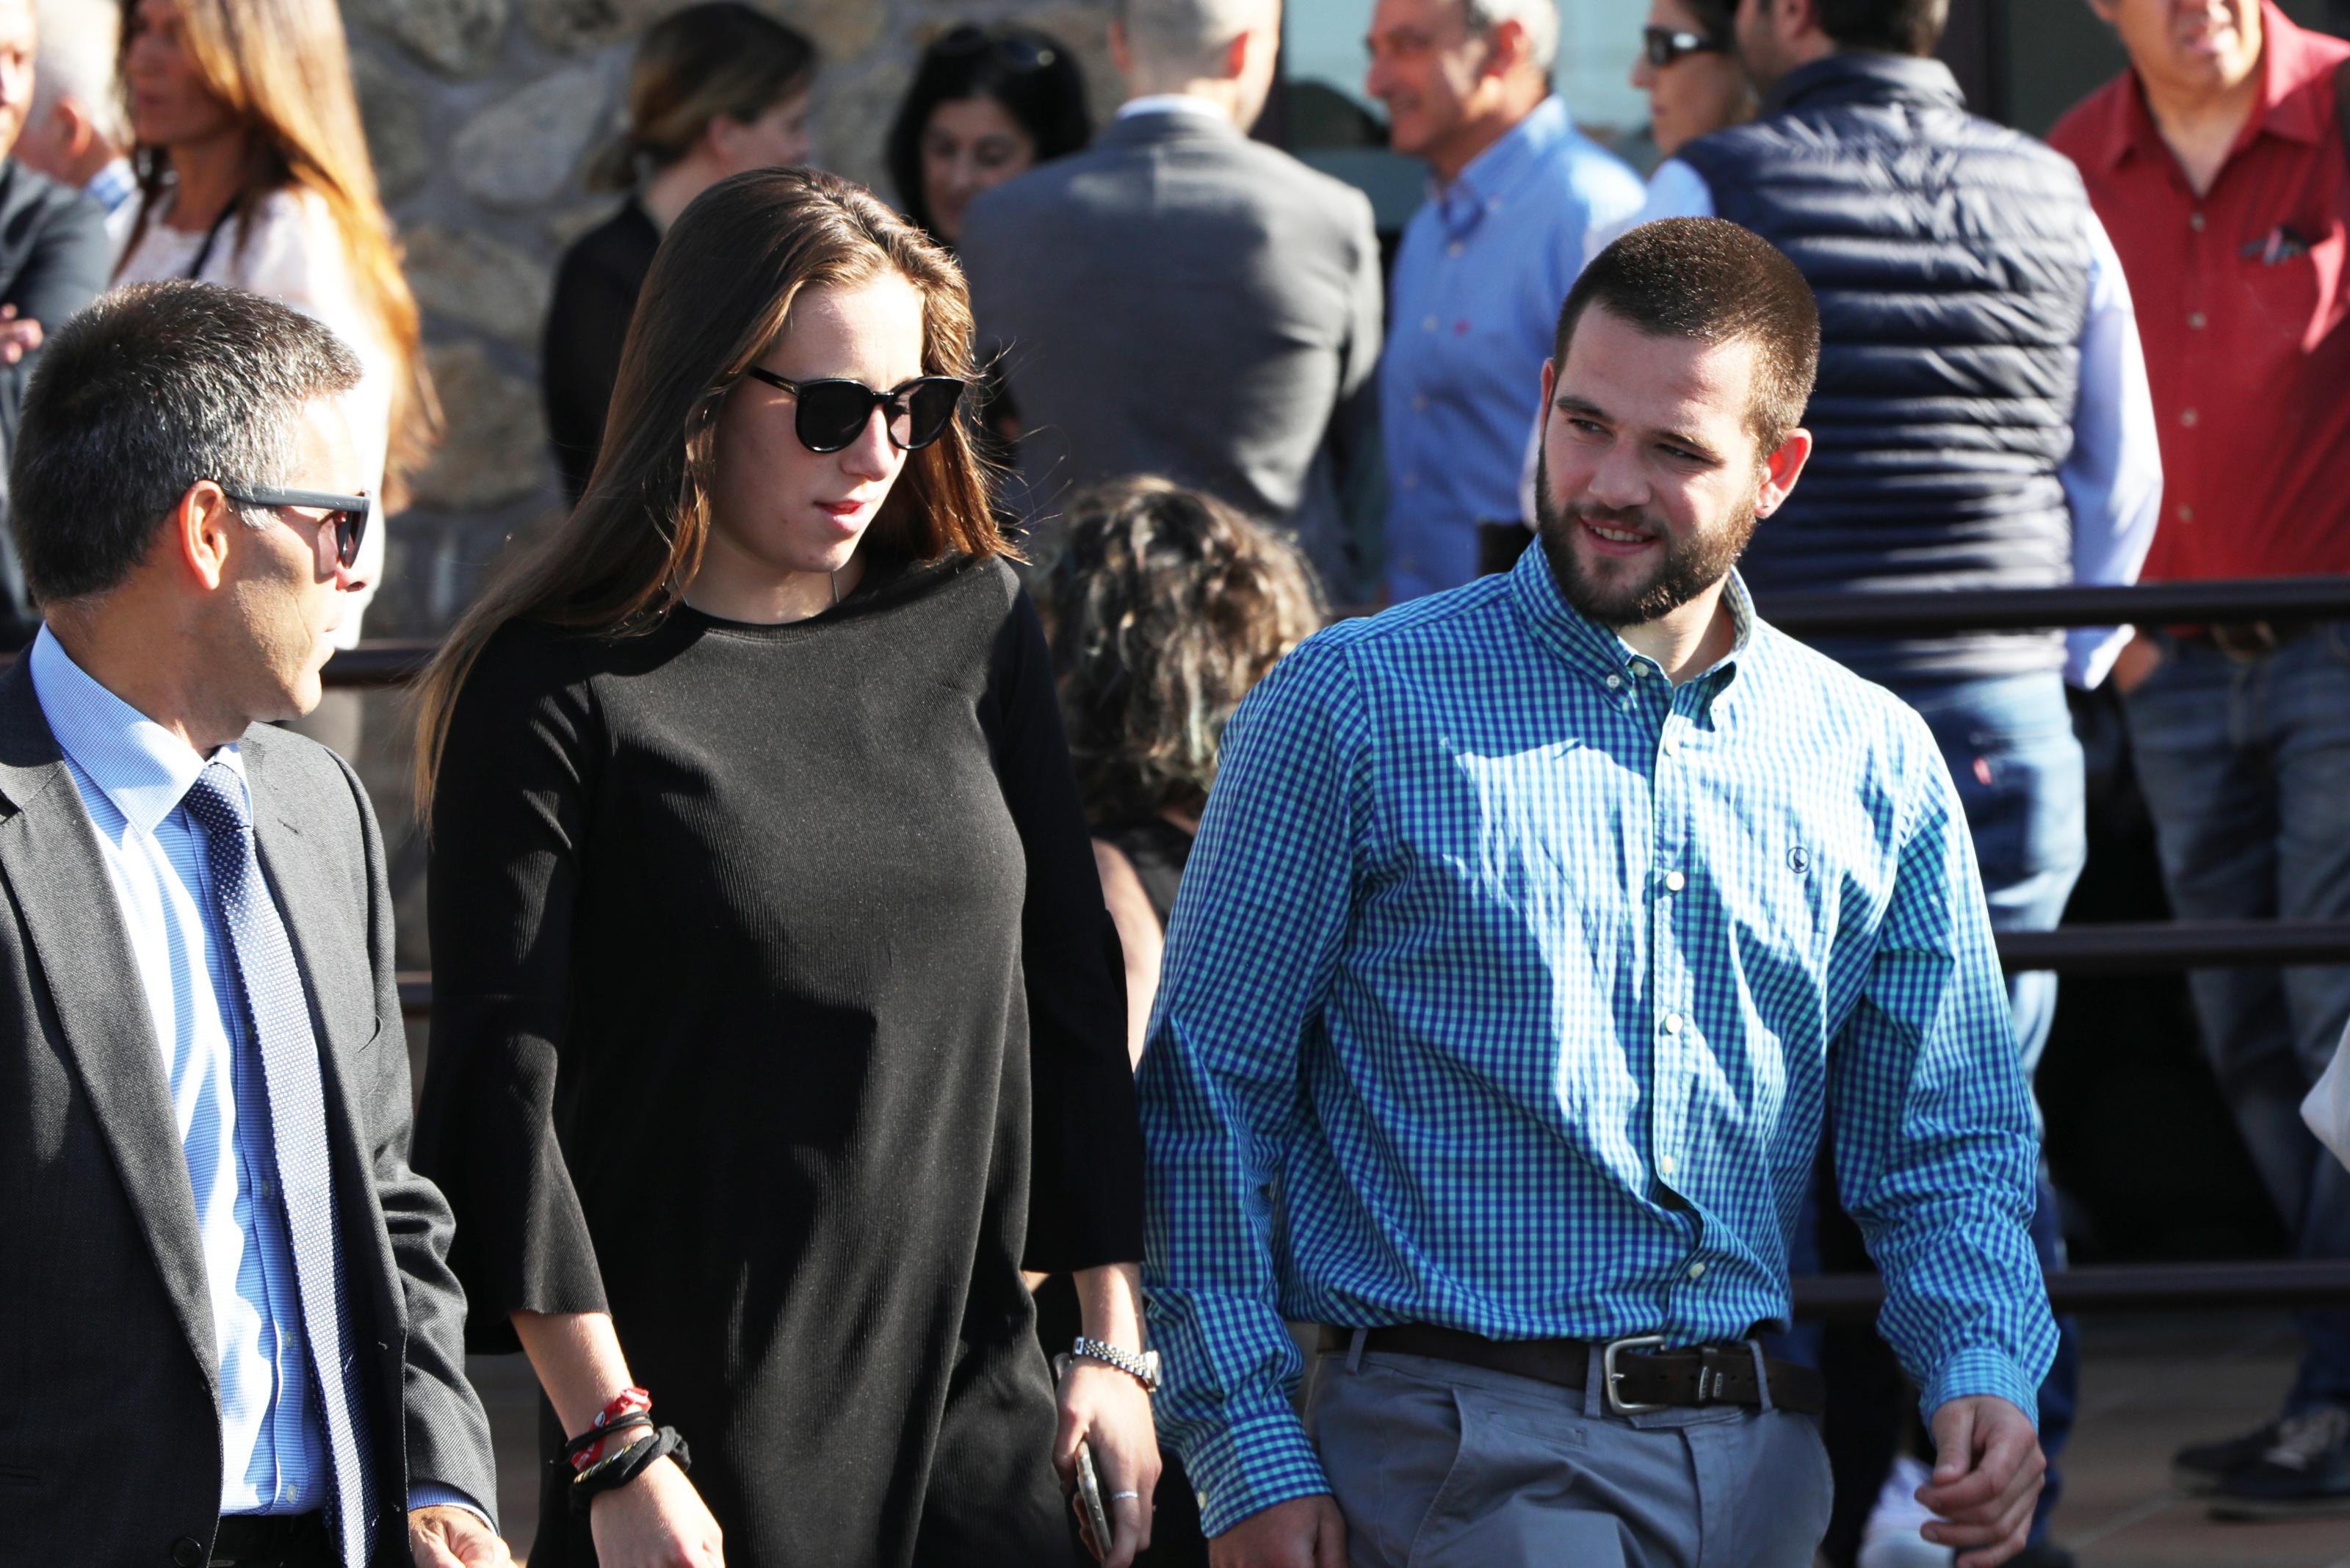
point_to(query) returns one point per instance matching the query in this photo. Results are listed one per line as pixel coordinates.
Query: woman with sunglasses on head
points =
(715, 90)
(778, 1022)
(253, 171)
(987, 103)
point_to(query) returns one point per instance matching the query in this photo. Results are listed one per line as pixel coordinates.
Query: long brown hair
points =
(692, 65)
(284, 68)
(720, 293)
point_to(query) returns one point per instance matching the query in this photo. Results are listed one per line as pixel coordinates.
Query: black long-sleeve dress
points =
(777, 1012)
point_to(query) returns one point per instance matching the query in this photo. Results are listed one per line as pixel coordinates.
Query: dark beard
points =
(1689, 566)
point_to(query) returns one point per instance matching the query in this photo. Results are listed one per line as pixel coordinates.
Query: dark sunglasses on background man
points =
(831, 413)
(348, 514)
(1663, 45)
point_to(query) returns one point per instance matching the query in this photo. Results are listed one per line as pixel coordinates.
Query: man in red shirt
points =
(2218, 163)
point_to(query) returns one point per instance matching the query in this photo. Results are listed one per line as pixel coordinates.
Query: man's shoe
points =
(2201, 1466)
(2305, 1474)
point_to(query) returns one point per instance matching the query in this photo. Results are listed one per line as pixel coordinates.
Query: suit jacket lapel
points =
(50, 859)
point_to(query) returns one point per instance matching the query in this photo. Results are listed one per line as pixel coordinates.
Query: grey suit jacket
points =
(109, 1425)
(1177, 299)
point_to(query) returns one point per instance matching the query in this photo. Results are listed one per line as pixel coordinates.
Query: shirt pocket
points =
(2294, 301)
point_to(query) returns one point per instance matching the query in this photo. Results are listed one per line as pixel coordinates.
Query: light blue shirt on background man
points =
(1474, 305)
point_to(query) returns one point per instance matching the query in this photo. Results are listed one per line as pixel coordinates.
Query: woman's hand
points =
(657, 1520)
(1109, 1411)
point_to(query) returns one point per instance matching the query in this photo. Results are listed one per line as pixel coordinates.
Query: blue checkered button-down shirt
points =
(1508, 988)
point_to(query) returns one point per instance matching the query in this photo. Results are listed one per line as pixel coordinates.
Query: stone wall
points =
(481, 114)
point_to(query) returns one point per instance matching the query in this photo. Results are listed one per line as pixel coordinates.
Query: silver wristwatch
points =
(1142, 1368)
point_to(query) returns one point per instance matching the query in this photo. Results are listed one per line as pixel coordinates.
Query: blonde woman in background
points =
(716, 89)
(253, 171)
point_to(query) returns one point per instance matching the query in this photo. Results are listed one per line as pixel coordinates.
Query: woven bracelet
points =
(626, 1466)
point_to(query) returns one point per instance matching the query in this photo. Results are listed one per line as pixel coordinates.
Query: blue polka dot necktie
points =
(288, 1050)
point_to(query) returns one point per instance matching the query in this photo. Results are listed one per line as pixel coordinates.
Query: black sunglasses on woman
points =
(1663, 45)
(832, 412)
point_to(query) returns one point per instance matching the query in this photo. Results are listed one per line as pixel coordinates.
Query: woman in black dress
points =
(715, 90)
(778, 1024)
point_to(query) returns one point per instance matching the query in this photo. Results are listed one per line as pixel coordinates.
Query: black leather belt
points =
(273, 1541)
(1641, 1375)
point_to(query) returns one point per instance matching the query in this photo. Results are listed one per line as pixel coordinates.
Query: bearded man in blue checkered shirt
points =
(1535, 933)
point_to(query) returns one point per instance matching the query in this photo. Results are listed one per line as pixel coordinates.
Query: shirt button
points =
(1665, 1166)
(1697, 1270)
(1428, 324)
(1638, 670)
(1419, 402)
(1675, 882)
(1670, 745)
(1411, 481)
(189, 1552)
(2195, 222)
(1455, 248)
(2196, 319)
(1672, 1023)
(1614, 681)
(2187, 417)
(2187, 515)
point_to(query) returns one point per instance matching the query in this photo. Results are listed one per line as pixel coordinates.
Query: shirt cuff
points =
(1971, 1373)
(1251, 1465)
(432, 1494)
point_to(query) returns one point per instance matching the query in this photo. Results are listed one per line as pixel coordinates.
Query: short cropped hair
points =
(1177, 40)
(1893, 26)
(151, 389)
(1717, 282)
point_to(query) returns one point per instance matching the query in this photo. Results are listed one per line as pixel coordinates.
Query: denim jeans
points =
(2009, 744)
(2245, 764)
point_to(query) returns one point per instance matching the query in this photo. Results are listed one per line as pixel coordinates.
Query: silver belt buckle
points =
(1616, 1402)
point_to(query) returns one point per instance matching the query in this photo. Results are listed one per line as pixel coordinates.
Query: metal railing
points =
(2095, 950)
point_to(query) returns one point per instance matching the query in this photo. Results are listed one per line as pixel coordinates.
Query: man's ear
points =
(75, 129)
(197, 533)
(1506, 48)
(1549, 385)
(1782, 469)
(2105, 10)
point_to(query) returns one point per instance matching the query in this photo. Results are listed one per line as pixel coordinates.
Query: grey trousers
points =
(1438, 1465)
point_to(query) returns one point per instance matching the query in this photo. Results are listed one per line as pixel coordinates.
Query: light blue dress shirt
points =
(2112, 478)
(132, 774)
(1508, 988)
(1482, 270)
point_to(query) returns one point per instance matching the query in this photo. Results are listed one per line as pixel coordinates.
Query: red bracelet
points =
(627, 1403)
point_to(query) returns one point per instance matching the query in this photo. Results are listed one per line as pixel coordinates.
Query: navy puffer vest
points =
(1950, 257)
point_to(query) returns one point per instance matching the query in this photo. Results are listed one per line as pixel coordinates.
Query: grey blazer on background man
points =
(109, 1423)
(1177, 299)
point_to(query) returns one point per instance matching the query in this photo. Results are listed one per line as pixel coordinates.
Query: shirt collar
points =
(2288, 63)
(1497, 171)
(1172, 103)
(1596, 650)
(140, 766)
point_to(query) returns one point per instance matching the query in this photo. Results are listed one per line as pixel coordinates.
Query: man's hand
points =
(1304, 1532)
(1111, 1413)
(2135, 661)
(18, 338)
(444, 1536)
(1987, 1473)
(657, 1520)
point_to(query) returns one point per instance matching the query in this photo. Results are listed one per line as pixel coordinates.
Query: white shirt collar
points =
(1172, 103)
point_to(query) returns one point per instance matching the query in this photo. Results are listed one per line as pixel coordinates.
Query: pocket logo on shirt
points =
(1799, 860)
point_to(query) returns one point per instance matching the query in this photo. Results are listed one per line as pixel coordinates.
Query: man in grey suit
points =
(228, 1332)
(1180, 300)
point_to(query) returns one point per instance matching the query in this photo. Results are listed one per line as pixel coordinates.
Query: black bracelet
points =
(626, 1466)
(595, 1435)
